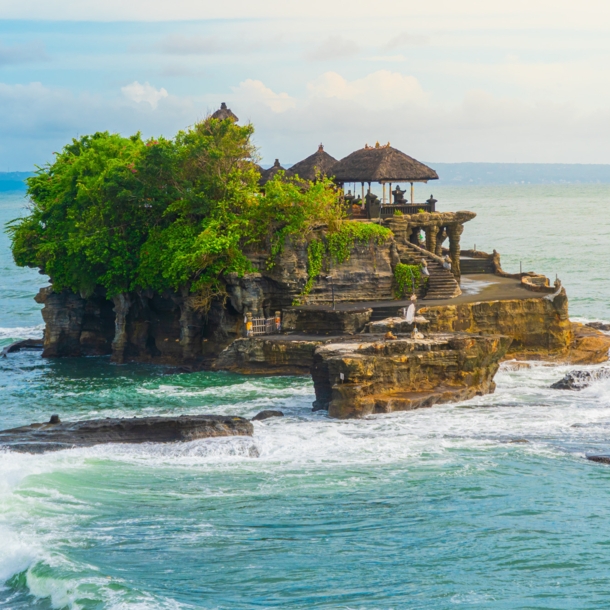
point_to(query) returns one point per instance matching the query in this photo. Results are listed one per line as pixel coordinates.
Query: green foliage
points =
(315, 258)
(291, 207)
(124, 213)
(407, 279)
(341, 241)
(398, 213)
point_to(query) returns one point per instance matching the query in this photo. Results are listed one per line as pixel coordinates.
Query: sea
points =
(488, 503)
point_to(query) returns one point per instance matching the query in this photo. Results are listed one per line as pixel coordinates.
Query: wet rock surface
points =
(28, 344)
(52, 436)
(578, 380)
(603, 326)
(600, 459)
(266, 414)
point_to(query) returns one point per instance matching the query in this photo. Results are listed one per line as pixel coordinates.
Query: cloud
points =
(176, 44)
(405, 39)
(334, 47)
(44, 119)
(537, 13)
(144, 93)
(22, 53)
(380, 89)
(254, 91)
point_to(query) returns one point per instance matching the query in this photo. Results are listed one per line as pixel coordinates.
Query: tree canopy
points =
(126, 213)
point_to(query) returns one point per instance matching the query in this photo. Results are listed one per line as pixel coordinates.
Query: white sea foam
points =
(22, 332)
(557, 425)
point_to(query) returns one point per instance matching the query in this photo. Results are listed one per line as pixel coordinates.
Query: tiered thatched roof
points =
(318, 163)
(381, 164)
(224, 113)
(268, 174)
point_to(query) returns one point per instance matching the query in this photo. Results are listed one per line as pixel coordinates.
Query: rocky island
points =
(203, 260)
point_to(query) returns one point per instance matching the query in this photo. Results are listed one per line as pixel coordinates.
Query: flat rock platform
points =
(475, 288)
(56, 435)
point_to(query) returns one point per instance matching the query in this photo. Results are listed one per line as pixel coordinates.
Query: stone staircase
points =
(441, 284)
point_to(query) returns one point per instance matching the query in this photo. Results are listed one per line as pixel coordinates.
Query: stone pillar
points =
(455, 231)
(63, 314)
(191, 324)
(122, 304)
(441, 236)
(431, 238)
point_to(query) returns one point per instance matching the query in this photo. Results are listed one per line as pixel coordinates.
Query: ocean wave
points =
(22, 332)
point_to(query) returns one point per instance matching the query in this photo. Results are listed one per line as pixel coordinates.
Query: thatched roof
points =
(381, 164)
(224, 113)
(320, 162)
(268, 174)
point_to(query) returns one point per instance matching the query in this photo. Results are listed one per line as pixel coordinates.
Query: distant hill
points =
(13, 181)
(521, 173)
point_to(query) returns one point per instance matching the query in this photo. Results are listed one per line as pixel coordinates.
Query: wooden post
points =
(390, 194)
(383, 197)
(362, 205)
(412, 194)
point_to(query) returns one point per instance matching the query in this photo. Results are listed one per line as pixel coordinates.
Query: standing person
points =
(424, 268)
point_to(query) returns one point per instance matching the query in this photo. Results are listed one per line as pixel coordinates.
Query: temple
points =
(419, 229)
(405, 321)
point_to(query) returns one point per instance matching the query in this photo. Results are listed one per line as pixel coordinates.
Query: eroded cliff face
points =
(144, 327)
(380, 376)
(166, 328)
(538, 326)
(355, 376)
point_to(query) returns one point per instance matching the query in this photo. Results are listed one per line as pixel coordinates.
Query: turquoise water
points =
(437, 508)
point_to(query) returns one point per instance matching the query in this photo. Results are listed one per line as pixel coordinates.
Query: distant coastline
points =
(466, 174)
(521, 173)
(516, 173)
(13, 181)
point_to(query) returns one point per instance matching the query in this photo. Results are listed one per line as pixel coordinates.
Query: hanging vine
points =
(407, 279)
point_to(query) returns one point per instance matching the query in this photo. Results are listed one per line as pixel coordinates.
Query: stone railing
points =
(377, 210)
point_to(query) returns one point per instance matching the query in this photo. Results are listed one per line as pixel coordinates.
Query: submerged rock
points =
(600, 459)
(19, 345)
(266, 414)
(578, 380)
(57, 435)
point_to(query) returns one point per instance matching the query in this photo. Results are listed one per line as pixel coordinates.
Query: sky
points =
(442, 80)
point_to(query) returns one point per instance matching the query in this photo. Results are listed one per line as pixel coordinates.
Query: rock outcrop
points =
(578, 380)
(355, 379)
(539, 327)
(355, 376)
(267, 414)
(271, 355)
(55, 435)
(603, 326)
(314, 320)
(588, 346)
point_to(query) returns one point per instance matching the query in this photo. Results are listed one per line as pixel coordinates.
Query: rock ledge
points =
(39, 438)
